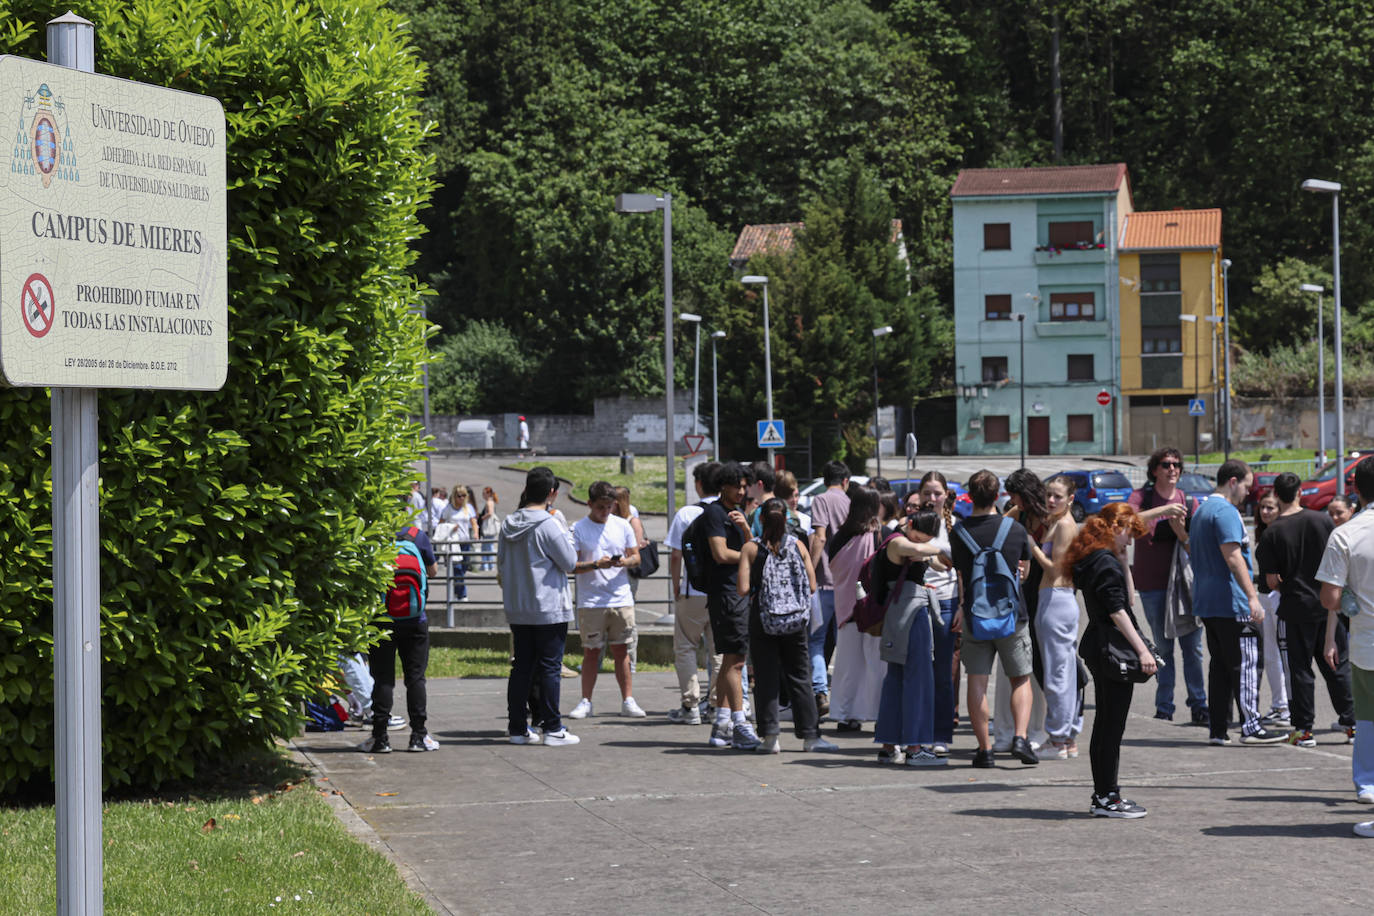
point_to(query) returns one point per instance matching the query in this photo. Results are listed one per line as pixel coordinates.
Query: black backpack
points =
(696, 553)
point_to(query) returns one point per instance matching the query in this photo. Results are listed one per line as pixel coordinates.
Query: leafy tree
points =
(477, 368)
(244, 532)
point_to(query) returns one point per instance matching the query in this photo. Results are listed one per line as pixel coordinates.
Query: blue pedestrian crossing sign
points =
(772, 434)
(1197, 407)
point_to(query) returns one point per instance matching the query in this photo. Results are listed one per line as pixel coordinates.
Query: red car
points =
(1317, 492)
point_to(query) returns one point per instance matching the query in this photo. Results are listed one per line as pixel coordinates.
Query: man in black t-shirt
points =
(1288, 555)
(726, 531)
(1014, 650)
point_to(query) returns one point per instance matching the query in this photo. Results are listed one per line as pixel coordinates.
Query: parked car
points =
(1264, 484)
(1196, 486)
(816, 487)
(1317, 492)
(1097, 488)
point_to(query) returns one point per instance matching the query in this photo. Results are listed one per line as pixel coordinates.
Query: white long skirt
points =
(856, 686)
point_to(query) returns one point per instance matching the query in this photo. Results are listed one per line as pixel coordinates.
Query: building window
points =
(1081, 367)
(1080, 427)
(994, 368)
(1078, 234)
(997, 429)
(1160, 340)
(1159, 273)
(997, 236)
(1073, 307)
(997, 308)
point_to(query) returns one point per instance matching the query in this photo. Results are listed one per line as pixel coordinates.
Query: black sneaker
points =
(1166, 716)
(1201, 716)
(1021, 749)
(1264, 736)
(376, 745)
(822, 705)
(1113, 805)
(984, 759)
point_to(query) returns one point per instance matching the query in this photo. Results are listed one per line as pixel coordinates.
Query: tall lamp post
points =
(1226, 343)
(696, 372)
(1214, 320)
(756, 280)
(877, 430)
(1197, 356)
(1318, 186)
(715, 397)
(648, 203)
(1321, 372)
(1021, 380)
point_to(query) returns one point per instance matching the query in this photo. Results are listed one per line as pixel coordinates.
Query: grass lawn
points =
(648, 484)
(258, 839)
(1280, 459)
(449, 661)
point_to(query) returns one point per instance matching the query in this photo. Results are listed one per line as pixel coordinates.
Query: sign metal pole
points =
(76, 596)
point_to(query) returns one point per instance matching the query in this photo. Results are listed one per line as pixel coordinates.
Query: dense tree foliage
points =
(744, 109)
(244, 532)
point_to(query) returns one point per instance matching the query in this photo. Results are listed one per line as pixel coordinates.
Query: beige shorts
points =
(601, 625)
(1014, 650)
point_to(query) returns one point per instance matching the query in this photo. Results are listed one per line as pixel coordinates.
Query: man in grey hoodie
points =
(532, 565)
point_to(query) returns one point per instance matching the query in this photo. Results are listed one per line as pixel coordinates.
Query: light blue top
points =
(1216, 593)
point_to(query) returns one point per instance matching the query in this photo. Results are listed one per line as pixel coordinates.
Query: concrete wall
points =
(1292, 423)
(633, 424)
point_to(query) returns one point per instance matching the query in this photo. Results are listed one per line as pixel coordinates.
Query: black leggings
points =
(1104, 750)
(782, 662)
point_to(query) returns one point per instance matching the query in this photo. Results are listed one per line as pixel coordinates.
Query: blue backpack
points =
(993, 592)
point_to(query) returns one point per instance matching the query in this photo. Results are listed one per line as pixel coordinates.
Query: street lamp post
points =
(767, 356)
(715, 397)
(1021, 380)
(1226, 343)
(877, 430)
(1197, 355)
(648, 203)
(1316, 185)
(1215, 320)
(696, 372)
(1321, 372)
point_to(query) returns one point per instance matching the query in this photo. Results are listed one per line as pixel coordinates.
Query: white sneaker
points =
(940, 750)
(560, 738)
(531, 736)
(771, 745)
(1366, 797)
(394, 723)
(818, 744)
(582, 710)
(628, 708)
(1365, 829)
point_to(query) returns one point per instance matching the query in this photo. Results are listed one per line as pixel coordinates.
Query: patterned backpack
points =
(784, 590)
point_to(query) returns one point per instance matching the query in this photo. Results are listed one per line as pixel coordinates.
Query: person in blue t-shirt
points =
(1224, 597)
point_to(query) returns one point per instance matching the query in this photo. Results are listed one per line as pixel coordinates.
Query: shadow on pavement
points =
(1281, 830)
(1029, 814)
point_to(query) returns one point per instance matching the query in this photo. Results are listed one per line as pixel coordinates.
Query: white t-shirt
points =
(603, 587)
(462, 521)
(1349, 562)
(685, 516)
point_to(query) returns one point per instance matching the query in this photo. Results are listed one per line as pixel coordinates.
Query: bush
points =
(242, 531)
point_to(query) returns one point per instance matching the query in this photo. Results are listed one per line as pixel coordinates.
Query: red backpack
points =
(405, 599)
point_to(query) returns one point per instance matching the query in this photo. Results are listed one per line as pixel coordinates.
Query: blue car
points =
(1097, 488)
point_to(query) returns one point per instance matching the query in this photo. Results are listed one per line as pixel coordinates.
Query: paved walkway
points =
(643, 817)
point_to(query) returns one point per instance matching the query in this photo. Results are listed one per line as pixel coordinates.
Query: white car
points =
(816, 487)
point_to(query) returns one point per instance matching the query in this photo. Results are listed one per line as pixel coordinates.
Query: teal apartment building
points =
(1035, 268)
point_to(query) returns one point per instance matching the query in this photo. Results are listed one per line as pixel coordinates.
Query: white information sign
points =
(113, 237)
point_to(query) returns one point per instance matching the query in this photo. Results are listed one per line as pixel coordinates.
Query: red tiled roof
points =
(1063, 179)
(1172, 230)
(776, 237)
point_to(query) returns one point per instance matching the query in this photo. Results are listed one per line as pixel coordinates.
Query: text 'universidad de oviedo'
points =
(154, 127)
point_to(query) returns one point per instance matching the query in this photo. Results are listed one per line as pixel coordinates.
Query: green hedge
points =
(242, 531)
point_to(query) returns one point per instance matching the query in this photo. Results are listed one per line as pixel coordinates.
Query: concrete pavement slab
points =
(643, 817)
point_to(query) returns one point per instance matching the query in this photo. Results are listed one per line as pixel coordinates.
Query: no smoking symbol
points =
(37, 305)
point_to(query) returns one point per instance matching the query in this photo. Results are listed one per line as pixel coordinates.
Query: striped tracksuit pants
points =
(1233, 673)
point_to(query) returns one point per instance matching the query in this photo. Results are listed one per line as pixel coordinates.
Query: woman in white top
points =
(464, 520)
(934, 495)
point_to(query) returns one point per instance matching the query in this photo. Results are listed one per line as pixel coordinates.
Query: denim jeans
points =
(536, 673)
(458, 586)
(815, 642)
(1153, 603)
(943, 666)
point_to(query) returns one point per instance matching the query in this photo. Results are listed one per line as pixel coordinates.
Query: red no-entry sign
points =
(1104, 397)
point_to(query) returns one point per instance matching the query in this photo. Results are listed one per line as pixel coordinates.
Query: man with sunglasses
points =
(1166, 511)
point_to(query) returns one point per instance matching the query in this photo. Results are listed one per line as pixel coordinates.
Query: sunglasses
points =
(1170, 464)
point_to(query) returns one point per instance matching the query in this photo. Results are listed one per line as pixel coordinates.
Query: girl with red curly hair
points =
(1096, 559)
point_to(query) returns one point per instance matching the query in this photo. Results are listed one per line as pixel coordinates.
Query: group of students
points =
(907, 590)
